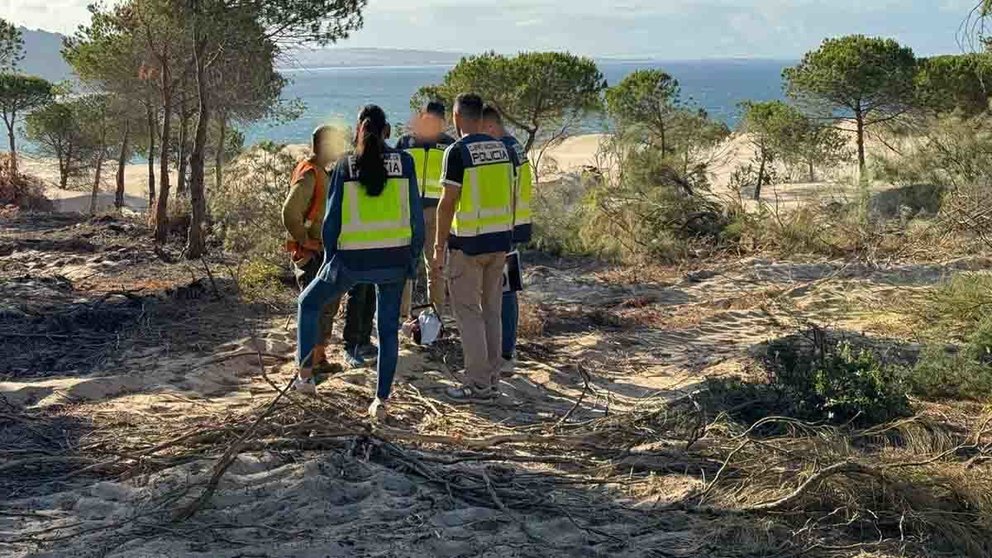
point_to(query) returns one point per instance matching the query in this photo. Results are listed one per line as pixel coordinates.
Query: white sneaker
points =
(377, 410)
(306, 386)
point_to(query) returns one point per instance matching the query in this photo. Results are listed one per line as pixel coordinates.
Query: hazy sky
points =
(669, 29)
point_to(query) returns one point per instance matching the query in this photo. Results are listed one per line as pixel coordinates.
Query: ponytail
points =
(370, 149)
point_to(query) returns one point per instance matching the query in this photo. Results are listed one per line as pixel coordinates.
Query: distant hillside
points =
(43, 56)
(331, 57)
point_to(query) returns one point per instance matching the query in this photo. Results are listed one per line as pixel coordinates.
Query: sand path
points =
(169, 355)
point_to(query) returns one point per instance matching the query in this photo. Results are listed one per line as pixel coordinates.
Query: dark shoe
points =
(323, 371)
(472, 394)
(509, 367)
(353, 359)
(368, 350)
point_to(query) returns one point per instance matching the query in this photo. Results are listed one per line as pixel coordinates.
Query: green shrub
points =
(638, 203)
(807, 229)
(959, 306)
(853, 384)
(560, 208)
(259, 280)
(979, 346)
(837, 383)
(942, 374)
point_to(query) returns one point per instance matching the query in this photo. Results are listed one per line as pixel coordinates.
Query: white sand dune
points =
(77, 199)
(570, 156)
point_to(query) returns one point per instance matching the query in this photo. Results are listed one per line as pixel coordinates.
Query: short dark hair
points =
(492, 114)
(469, 105)
(435, 108)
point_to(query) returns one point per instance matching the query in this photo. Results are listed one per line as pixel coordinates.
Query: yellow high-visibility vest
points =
(376, 222)
(428, 163)
(486, 202)
(522, 191)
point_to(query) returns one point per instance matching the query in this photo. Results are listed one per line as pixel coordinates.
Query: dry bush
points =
(247, 211)
(531, 320)
(20, 190)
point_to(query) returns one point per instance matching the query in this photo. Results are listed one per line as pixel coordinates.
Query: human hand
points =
(312, 245)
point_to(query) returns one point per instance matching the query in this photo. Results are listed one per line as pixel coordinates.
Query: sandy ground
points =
(77, 199)
(169, 355)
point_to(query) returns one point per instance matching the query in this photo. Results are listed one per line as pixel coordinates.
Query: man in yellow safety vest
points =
(426, 145)
(522, 229)
(474, 232)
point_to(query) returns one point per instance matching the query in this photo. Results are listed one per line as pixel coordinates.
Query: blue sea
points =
(336, 94)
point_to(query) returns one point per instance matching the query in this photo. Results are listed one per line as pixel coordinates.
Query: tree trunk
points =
(531, 138)
(121, 164)
(862, 176)
(64, 165)
(162, 205)
(13, 145)
(812, 172)
(860, 118)
(219, 159)
(183, 138)
(151, 160)
(664, 146)
(761, 177)
(196, 244)
(96, 180)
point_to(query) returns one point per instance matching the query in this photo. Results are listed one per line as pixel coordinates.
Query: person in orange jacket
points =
(303, 217)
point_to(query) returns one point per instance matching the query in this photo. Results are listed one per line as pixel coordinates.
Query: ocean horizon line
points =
(609, 60)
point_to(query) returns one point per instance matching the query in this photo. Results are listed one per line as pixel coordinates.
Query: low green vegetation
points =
(945, 374)
(956, 322)
(260, 281)
(958, 307)
(832, 383)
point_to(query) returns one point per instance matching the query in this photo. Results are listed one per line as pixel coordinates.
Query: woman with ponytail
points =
(373, 233)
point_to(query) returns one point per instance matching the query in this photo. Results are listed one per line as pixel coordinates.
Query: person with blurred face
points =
(426, 145)
(522, 187)
(302, 215)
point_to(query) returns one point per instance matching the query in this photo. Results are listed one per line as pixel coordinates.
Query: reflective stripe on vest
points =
(428, 163)
(486, 203)
(375, 222)
(522, 195)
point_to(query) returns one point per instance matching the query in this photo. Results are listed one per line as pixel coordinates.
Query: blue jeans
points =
(388, 297)
(511, 311)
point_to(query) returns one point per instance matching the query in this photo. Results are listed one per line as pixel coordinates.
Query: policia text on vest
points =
(481, 170)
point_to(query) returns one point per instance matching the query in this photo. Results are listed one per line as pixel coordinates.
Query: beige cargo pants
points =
(475, 285)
